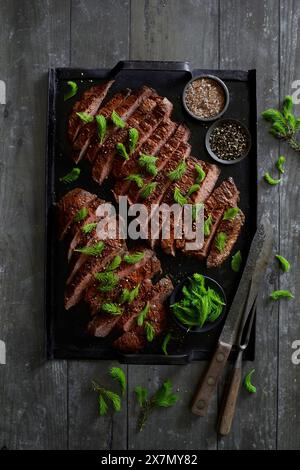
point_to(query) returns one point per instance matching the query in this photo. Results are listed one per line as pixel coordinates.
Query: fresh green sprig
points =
(207, 225)
(236, 261)
(111, 308)
(270, 180)
(121, 149)
(115, 263)
(88, 228)
(92, 250)
(149, 163)
(143, 314)
(285, 125)
(117, 120)
(281, 294)
(231, 213)
(85, 117)
(101, 127)
(280, 164)
(148, 189)
(179, 198)
(72, 91)
(163, 398)
(81, 214)
(134, 258)
(150, 331)
(107, 280)
(220, 241)
(135, 178)
(247, 382)
(72, 176)
(178, 173)
(104, 397)
(128, 296)
(165, 343)
(133, 135)
(283, 262)
(200, 174)
(118, 374)
(193, 189)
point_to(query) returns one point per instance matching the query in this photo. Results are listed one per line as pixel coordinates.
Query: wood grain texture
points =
(166, 30)
(289, 324)
(33, 393)
(107, 21)
(249, 38)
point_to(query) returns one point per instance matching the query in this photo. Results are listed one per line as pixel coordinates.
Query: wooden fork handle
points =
(230, 400)
(210, 380)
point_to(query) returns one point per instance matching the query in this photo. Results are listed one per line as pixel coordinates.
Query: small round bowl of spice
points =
(205, 97)
(198, 304)
(228, 141)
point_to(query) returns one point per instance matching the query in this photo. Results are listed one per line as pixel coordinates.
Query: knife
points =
(257, 261)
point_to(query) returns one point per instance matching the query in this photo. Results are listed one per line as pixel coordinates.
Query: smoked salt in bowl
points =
(177, 295)
(205, 98)
(231, 149)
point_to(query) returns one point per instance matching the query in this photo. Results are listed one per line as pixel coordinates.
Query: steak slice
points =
(226, 195)
(147, 267)
(79, 238)
(69, 205)
(103, 323)
(181, 134)
(84, 275)
(89, 103)
(125, 111)
(189, 179)
(109, 159)
(136, 339)
(232, 229)
(151, 147)
(88, 134)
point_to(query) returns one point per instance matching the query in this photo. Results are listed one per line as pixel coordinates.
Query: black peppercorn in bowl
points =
(228, 141)
(205, 98)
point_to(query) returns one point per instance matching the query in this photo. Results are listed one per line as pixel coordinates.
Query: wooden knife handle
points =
(210, 380)
(230, 400)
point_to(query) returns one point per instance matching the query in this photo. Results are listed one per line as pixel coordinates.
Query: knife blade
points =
(258, 257)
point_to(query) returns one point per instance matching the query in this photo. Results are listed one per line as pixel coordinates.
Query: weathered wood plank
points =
(249, 39)
(289, 326)
(173, 30)
(33, 394)
(99, 38)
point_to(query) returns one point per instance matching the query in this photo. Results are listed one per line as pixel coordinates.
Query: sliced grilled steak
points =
(89, 103)
(189, 179)
(151, 147)
(103, 323)
(146, 128)
(88, 134)
(84, 275)
(232, 229)
(110, 159)
(125, 111)
(79, 237)
(68, 207)
(136, 339)
(147, 267)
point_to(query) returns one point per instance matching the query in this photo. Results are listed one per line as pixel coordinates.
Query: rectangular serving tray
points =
(65, 330)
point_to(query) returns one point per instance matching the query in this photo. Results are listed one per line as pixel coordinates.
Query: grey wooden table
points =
(49, 405)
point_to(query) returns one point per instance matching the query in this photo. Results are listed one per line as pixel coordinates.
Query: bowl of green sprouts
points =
(198, 303)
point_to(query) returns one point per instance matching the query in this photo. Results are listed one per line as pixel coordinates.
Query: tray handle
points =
(172, 66)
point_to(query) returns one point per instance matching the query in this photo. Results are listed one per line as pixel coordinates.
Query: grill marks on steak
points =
(88, 135)
(103, 323)
(138, 103)
(68, 207)
(184, 184)
(232, 229)
(89, 103)
(136, 339)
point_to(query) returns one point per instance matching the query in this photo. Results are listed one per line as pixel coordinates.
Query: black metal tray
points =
(66, 337)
